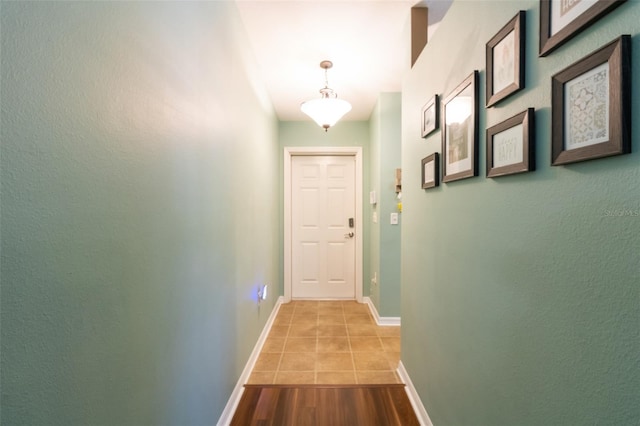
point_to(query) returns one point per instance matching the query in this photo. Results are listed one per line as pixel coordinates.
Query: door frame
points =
(289, 152)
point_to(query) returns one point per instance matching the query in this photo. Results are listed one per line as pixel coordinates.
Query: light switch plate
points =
(372, 197)
(394, 218)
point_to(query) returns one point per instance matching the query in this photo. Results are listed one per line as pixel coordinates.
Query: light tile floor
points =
(328, 342)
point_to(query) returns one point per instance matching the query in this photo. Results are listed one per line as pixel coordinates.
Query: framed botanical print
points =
(460, 131)
(430, 116)
(561, 20)
(511, 145)
(505, 60)
(430, 171)
(591, 105)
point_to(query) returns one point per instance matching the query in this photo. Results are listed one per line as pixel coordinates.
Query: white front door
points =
(323, 243)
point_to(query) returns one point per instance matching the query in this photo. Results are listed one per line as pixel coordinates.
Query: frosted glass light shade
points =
(326, 111)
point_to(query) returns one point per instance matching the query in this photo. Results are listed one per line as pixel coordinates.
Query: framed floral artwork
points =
(591, 105)
(505, 60)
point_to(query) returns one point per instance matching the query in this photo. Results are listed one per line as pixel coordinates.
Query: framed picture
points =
(460, 132)
(430, 116)
(430, 171)
(505, 60)
(560, 20)
(591, 105)
(511, 145)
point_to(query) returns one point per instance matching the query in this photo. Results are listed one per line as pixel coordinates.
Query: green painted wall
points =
(374, 240)
(344, 133)
(385, 238)
(138, 211)
(520, 296)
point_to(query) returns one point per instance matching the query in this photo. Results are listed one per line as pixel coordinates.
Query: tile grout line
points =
(353, 359)
(284, 344)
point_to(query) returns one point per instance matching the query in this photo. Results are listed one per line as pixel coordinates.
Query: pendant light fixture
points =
(327, 110)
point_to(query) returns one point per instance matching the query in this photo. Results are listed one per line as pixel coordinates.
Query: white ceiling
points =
(368, 42)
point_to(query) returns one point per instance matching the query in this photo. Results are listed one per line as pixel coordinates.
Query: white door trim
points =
(349, 151)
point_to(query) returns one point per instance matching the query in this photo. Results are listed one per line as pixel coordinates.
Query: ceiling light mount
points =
(326, 65)
(327, 110)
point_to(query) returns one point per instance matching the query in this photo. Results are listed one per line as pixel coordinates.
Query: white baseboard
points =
(380, 320)
(414, 398)
(234, 399)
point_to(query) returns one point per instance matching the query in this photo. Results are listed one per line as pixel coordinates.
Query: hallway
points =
(328, 342)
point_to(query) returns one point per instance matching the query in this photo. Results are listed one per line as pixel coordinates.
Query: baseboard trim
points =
(382, 321)
(414, 398)
(234, 399)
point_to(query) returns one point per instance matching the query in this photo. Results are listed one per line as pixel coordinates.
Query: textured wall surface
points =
(139, 211)
(520, 295)
(385, 238)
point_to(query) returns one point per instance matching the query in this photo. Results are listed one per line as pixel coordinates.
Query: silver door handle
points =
(349, 235)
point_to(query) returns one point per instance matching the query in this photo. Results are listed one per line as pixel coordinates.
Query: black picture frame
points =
(579, 98)
(430, 173)
(430, 116)
(511, 145)
(550, 41)
(505, 54)
(460, 131)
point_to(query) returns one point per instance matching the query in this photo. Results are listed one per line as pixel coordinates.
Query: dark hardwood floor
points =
(324, 405)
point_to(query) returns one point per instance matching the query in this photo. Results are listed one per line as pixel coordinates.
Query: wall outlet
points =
(375, 217)
(262, 293)
(393, 219)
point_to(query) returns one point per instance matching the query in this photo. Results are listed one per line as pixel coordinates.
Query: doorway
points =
(323, 223)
